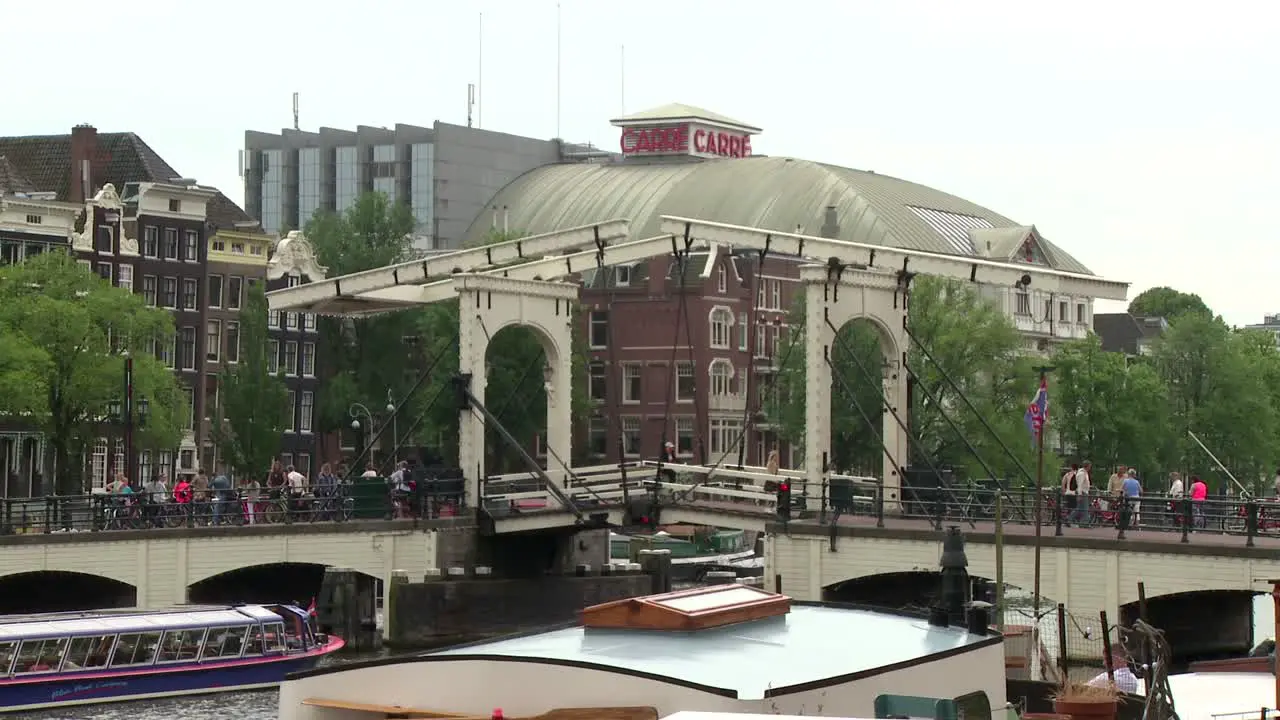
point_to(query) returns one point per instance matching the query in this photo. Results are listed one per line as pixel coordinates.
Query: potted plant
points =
(1083, 701)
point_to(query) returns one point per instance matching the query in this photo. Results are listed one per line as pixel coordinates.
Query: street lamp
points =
(122, 411)
(356, 411)
(395, 426)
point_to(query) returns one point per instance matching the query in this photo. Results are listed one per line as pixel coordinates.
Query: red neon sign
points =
(722, 144)
(639, 141)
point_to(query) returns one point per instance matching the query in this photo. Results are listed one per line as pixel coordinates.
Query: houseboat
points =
(725, 648)
(79, 659)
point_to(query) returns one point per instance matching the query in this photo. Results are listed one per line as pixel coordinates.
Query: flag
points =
(1038, 411)
(311, 609)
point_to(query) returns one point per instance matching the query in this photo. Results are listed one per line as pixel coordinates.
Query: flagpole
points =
(1044, 370)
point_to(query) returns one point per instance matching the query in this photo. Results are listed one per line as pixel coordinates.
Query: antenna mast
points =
(295, 112)
(471, 101)
(557, 69)
(479, 87)
(622, 84)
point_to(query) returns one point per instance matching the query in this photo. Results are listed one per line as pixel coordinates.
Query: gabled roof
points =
(680, 111)
(12, 181)
(123, 157)
(1021, 243)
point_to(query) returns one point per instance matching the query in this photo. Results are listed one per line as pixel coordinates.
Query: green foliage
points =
(971, 341)
(365, 357)
(63, 330)
(1167, 303)
(252, 411)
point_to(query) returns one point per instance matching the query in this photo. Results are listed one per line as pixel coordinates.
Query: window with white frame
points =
(721, 323)
(164, 462)
(721, 377)
(291, 421)
(762, 344)
(169, 293)
(215, 291)
(302, 463)
(631, 382)
(273, 356)
(309, 322)
(743, 329)
(622, 276)
(597, 382)
(210, 396)
(151, 241)
(149, 289)
(125, 278)
(726, 436)
(144, 466)
(189, 396)
(291, 358)
(599, 322)
(170, 243)
(305, 411)
(191, 246)
(722, 280)
(684, 436)
(686, 383)
(598, 437)
(235, 286)
(188, 348)
(308, 359)
(1022, 305)
(761, 292)
(190, 293)
(775, 294)
(233, 341)
(98, 463)
(1081, 313)
(169, 351)
(630, 435)
(273, 319)
(213, 341)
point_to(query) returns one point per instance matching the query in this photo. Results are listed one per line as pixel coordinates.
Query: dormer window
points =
(237, 248)
(175, 205)
(622, 276)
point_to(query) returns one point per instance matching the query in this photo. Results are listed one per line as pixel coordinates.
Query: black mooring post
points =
(1184, 509)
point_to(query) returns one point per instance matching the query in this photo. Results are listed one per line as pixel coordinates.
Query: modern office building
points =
(685, 161)
(1270, 323)
(446, 173)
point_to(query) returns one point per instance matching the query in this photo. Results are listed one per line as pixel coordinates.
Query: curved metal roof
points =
(774, 193)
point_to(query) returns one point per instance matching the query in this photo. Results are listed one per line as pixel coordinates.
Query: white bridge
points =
(523, 282)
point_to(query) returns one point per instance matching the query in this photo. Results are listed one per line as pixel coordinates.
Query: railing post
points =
(1184, 511)
(1057, 513)
(6, 508)
(1122, 516)
(188, 509)
(50, 505)
(939, 508)
(880, 504)
(1251, 521)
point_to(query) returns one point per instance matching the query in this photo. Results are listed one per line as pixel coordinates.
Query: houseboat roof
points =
(111, 624)
(812, 643)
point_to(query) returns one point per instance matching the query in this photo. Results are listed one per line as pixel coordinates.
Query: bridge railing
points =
(365, 499)
(1066, 511)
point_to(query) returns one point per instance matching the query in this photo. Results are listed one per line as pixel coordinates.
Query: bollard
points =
(484, 572)
(720, 577)
(433, 575)
(606, 569)
(582, 570)
(657, 564)
(457, 572)
(399, 579)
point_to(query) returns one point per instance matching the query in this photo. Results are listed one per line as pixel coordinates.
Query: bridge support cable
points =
(951, 383)
(753, 340)
(915, 439)
(354, 468)
(462, 385)
(680, 261)
(959, 433)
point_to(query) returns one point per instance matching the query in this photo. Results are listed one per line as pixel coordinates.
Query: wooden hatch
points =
(686, 610)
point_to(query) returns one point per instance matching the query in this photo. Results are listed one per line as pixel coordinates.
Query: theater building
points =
(686, 161)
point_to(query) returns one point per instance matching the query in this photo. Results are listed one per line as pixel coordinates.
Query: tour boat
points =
(49, 661)
(724, 648)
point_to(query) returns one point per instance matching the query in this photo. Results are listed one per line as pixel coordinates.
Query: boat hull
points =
(105, 687)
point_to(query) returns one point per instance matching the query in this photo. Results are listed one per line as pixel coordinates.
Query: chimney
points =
(84, 149)
(830, 223)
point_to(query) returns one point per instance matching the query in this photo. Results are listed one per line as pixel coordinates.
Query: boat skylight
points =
(686, 610)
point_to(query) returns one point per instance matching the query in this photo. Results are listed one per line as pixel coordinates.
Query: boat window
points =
(180, 646)
(974, 706)
(274, 640)
(7, 651)
(224, 643)
(36, 656)
(88, 652)
(253, 646)
(136, 649)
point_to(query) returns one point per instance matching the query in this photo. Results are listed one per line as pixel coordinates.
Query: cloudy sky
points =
(1141, 136)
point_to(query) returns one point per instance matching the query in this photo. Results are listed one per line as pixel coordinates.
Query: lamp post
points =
(395, 427)
(124, 412)
(356, 411)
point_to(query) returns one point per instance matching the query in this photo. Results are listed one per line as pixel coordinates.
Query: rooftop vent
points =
(685, 610)
(183, 181)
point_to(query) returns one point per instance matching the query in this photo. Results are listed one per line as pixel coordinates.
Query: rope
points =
(753, 339)
(680, 259)
(1159, 703)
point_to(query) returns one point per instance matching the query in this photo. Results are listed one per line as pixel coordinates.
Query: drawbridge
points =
(532, 282)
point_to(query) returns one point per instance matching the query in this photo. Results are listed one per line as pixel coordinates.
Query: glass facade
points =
(384, 171)
(308, 184)
(348, 178)
(272, 190)
(422, 186)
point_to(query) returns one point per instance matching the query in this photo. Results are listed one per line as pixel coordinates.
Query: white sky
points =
(1141, 136)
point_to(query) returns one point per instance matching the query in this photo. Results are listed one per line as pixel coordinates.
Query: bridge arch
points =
(516, 371)
(489, 304)
(907, 589)
(274, 582)
(836, 295)
(63, 591)
(1200, 624)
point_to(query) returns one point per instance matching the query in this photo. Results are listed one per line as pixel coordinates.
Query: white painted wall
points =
(162, 568)
(1085, 580)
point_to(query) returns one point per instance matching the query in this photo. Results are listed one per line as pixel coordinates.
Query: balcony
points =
(736, 402)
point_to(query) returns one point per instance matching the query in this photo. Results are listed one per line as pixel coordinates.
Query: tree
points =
(363, 357)
(252, 410)
(64, 330)
(1110, 409)
(1167, 303)
(972, 342)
